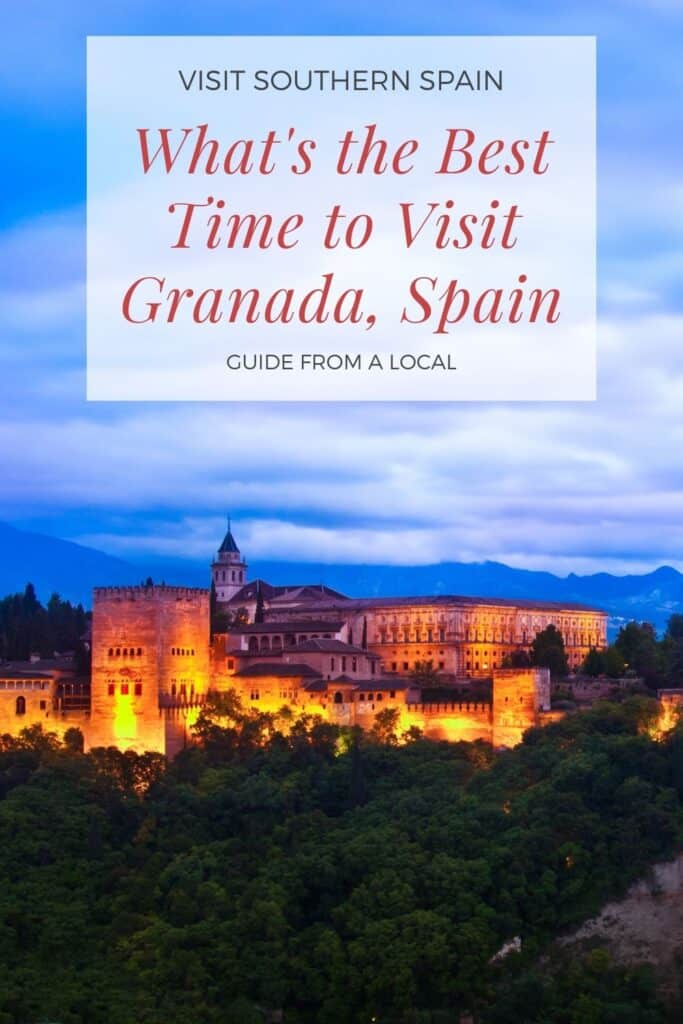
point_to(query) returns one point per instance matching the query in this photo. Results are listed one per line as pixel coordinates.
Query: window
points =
(405, 666)
(338, 699)
(21, 705)
(139, 652)
(442, 664)
(125, 689)
(231, 663)
(173, 650)
(138, 689)
(379, 696)
(43, 705)
(354, 665)
(343, 661)
(255, 695)
(331, 664)
(111, 652)
(361, 696)
(373, 666)
(442, 635)
(111, 689)
(394, 666)
(392, 694)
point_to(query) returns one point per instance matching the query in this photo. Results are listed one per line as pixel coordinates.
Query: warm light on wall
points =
(125, 719)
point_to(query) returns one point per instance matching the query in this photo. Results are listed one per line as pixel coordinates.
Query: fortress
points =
(155, 661)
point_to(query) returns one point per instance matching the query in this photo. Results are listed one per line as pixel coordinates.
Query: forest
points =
(28, 627)
(284, 869)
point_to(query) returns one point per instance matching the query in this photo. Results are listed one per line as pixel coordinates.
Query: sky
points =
(581, 487)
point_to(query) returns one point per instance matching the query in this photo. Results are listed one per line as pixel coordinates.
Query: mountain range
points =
(72, 570)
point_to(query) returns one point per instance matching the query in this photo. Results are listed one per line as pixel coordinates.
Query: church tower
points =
(228, 570)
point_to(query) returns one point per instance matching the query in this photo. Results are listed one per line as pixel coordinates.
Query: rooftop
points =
(322, 644)
(229, 546)
(266, 668)
(290, 626)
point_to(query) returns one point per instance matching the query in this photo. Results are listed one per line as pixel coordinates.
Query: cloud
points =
(563, 487)
(588, 485)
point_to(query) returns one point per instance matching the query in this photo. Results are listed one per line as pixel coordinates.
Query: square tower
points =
(519, 697)
(150, 657)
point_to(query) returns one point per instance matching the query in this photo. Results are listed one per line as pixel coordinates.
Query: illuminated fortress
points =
(154, 661)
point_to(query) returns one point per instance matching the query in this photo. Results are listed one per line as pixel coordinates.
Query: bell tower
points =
(228, 569)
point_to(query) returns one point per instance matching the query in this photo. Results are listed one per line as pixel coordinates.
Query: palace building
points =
(439, 662)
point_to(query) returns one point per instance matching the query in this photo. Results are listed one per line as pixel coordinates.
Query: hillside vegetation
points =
(287, 866)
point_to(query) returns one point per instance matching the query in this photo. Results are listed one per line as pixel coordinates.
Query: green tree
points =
(385, 725)
(637, 644)
(547, 651)
(424, 674)
(517, 659)
(593, 663)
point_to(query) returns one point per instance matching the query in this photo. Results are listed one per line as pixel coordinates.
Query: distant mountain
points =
(73, 570)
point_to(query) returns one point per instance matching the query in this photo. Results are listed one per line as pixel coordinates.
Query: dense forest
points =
(288, 870)
(27, 627)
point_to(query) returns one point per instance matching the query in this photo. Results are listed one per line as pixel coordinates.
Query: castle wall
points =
(452, 722)
(26, 702)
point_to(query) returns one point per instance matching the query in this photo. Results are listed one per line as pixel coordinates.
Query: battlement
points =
(459, 707)
(132, 593)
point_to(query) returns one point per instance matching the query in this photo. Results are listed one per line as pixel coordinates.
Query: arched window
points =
(338, 699)
(253, 643)
(21, 705)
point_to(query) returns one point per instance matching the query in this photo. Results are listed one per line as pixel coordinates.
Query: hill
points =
(73, 570)
(60, 566)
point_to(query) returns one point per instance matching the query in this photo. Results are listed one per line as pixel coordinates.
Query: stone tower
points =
(150, 666)
(228, 570)
(521, 697)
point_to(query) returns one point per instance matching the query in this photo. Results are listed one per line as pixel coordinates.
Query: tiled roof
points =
(290, 626)
(320, 643)
(15, 674)
(263, 668)
(321, 598)
(229, 546)
(303, 592)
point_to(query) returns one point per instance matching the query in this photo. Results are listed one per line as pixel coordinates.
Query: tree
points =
(385, 725)
(424, 674)
(259, 611)
(547, 651)
(637, 644)
(517, 659)
(593, 663)
(73, 740)
(613, 662)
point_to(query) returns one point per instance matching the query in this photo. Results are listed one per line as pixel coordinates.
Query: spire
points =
(229, 546)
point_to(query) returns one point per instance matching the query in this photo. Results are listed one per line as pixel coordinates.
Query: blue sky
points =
(564, 487)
